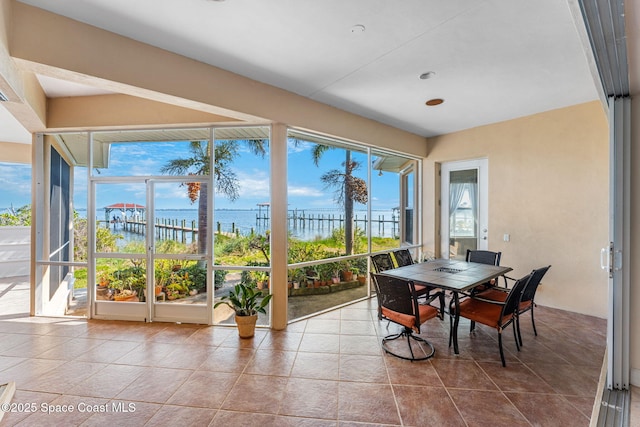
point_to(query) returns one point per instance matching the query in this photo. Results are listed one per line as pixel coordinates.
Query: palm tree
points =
(348, 189)
(225, 180)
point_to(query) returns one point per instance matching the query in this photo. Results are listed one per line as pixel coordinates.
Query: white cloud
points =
(305, 192)
(298, 147)
(255, 184)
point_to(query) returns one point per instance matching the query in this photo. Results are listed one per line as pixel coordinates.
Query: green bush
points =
(17, 217)
(197, 275)
(218, 278)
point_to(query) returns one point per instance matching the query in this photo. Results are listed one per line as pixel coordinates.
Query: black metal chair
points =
(485, 257)
(403, 257)
(398, 303)
(527, 302)
(495, 314)
(382, 262)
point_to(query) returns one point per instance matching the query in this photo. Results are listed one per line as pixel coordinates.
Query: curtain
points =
(473, 191)
(456, 191)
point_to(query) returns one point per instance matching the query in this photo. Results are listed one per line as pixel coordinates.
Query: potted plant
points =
(297, 277)
(346, 273)
(247, 302)
(262, 278)
(360, 276)
(325, 272)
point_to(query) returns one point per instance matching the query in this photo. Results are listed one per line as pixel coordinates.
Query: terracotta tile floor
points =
(324, 371)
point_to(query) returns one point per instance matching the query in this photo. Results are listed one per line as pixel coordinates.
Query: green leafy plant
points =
(197, 276)
(16, 217)
(326, 271)
(245, 300)
(129, 280)
(219, 277)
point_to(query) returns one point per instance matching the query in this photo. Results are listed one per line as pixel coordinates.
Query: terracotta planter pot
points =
(347, 276)
(246, 325)
(123, 297)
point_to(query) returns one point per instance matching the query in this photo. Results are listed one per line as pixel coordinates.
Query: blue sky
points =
(252, 173)
(15, 185)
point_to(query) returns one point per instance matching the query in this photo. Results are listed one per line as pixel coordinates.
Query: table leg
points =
(456, 320)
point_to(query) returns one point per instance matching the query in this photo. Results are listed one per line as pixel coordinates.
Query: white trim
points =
(482, 165)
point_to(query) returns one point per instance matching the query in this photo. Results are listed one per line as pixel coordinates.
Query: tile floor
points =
(324, 371)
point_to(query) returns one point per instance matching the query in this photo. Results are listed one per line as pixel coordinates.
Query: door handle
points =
(606, 259)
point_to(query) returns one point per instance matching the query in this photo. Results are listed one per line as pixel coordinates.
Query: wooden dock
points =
(165, 229)
(187, 231)
(170, 229)
(299, 219)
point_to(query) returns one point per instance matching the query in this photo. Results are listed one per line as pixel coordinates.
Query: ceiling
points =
(491, 60)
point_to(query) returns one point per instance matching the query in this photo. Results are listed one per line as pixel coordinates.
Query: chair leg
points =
(450, 327)
(472, 327)
(516, 333)
(533, 321)
(504, 364)
(410, 349)
(450, 323)
(408, 333)
(519, 337)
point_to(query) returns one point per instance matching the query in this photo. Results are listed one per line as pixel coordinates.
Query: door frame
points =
(409, 173)
(482, 166)
(148, 311)
(165, 312)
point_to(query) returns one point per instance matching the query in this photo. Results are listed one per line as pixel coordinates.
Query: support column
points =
(278, 158)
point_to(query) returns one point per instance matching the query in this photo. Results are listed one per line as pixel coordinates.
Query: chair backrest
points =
(403, 257)
(382, 262)
(396, 295)
(484, 257)
(536, 277)
(513, 298)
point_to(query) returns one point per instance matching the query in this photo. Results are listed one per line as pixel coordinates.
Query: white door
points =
(171, 268)
(408, 201)
(464, 208)
(162, 262)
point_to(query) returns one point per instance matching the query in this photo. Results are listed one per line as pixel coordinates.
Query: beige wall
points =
(548, 188)
(104, 111)
(15, 153)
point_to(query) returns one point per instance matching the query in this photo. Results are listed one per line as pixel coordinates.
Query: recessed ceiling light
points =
(427, 75)
(435, 101)
(357, 29)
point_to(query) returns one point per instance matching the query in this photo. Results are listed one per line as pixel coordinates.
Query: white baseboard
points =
(634, 377)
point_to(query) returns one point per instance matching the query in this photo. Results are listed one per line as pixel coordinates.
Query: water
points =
(304, 224)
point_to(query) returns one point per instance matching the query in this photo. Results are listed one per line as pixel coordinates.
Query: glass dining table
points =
(455, 276)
